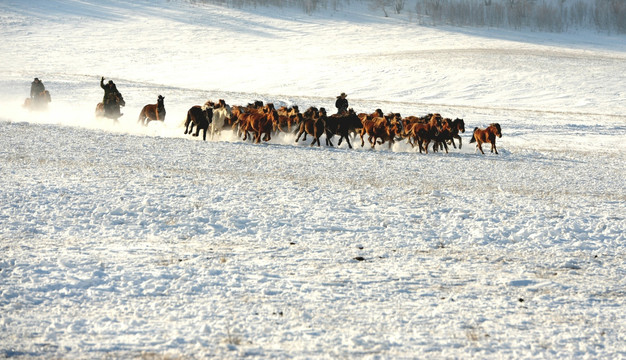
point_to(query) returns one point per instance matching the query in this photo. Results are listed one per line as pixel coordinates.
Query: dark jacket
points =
(341, 104)
(110, 91)
(36, 88)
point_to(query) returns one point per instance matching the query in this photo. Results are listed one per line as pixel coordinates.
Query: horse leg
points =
(362, 133)
(347, 136)
(299, 134)
(329, 141)
(419, 144)
(480, 147)
(493, 147)
(187, 122)
(204, 133)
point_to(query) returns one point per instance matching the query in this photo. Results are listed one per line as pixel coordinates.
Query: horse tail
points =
(473, 136)
(187, 120)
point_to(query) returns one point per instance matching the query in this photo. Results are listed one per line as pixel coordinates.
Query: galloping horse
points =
(152, 112)
(313, 123)
(259, 122)
(39, 102)
(487, 135)
(381, 129)
(423, 133)
(200, 117)
(457, 125)
(112, 111)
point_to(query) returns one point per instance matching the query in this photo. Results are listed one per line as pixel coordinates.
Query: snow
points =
(120, 241)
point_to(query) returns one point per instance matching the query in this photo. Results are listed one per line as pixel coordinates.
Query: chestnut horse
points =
(487, 135)
(381, 129)
(313, 123)
(288, 117)
(423, 134)
(39, 102)
(152, 112)
(259, 121)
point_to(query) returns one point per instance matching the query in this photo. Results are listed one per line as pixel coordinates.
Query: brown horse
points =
(423, 134)
(259, 121)
(381, 129)
(152, 112)
(313, 123)
(39, 102)
(288, 117)
(487, 135)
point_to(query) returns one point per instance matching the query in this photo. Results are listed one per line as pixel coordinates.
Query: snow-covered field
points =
(119, 241)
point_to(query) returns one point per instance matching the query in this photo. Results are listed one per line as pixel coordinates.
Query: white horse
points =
(221, 111)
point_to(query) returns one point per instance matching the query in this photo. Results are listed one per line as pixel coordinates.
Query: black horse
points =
(112, 109)
(200, 117)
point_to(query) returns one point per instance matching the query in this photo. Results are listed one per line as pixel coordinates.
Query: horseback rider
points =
(110, 99)
(342, 103)
(36, 88)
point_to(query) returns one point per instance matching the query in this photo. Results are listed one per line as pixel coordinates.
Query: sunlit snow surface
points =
(119, 241)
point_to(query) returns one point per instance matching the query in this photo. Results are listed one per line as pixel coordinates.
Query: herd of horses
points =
(258, 122)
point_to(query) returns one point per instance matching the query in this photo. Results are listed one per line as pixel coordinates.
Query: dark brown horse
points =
(152, 112)
(487, 135)
(448, 131)
(457, 125)
(200, 117)
(343, 125)
(112, 111)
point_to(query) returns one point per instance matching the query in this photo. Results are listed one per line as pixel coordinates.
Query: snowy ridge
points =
(123, 241)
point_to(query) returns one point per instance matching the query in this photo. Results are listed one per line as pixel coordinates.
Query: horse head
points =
(119, 99)
(460, 124)
(498, 129)
(46, 96)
